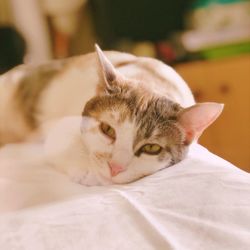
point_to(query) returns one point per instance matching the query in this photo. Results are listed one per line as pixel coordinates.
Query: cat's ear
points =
(195, 119)
(107, 71)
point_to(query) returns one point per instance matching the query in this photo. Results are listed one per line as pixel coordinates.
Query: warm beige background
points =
(225, 81)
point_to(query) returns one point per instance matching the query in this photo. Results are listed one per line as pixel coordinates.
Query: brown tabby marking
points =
(32, 85)
(101, 156)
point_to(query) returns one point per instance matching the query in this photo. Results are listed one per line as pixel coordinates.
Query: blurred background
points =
(206, 41)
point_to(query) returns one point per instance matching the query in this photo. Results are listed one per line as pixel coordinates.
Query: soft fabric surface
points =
(201, 203)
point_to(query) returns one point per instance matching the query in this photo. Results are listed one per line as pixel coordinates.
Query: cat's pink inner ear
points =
(195, 119)
(107, 69)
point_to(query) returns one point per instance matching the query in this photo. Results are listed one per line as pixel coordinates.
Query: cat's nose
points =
(115, 168)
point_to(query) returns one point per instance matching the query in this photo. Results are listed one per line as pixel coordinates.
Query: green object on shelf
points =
(226, 51)
(206, 3)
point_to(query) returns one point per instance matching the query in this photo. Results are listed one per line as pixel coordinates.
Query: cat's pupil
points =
(107, 130)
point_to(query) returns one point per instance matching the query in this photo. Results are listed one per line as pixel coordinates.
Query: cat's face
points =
(131, 132)
(128, 139)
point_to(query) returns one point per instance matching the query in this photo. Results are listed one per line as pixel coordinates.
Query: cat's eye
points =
(107, 130)
(151, 149)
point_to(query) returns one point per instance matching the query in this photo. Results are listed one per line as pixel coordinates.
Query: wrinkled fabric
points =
(202, 202)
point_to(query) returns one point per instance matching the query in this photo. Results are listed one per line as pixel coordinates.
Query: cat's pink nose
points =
(115, 168)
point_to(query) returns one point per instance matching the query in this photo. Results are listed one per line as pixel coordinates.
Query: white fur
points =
(183, 95)
(65, 151)
(73, 143)
(178, 90)
(26, 180)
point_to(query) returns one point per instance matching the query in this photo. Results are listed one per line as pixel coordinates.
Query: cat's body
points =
(135, 115)
(31, 95)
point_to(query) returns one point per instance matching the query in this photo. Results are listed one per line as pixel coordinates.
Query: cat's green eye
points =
(151, 149)
(107, 130)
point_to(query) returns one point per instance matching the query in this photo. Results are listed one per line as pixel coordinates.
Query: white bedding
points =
(201, 203)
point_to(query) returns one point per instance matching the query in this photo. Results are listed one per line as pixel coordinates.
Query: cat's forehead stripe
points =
(98, 105)
(157, 121)
(150, 113)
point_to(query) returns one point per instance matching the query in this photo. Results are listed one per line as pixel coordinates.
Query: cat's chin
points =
(90, 179)
(92, 182)
(123, 178)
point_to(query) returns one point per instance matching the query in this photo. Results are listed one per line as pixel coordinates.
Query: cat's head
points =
(131, 132)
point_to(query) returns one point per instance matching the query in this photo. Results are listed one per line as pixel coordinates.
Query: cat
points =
(31, 95)
(132, 116)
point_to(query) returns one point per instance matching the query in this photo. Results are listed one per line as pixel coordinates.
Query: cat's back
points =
(32, 94)
(159, 77)
(71, 82)
(77, 82)
(20, 89)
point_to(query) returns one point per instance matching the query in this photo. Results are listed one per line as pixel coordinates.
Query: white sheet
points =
(201, 203)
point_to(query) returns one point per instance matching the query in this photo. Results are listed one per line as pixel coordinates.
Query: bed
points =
(202, 202)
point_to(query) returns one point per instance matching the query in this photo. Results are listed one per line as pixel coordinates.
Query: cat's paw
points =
(80, 179)
(85, 179)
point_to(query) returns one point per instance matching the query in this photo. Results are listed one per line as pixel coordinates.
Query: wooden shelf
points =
(225, 81)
